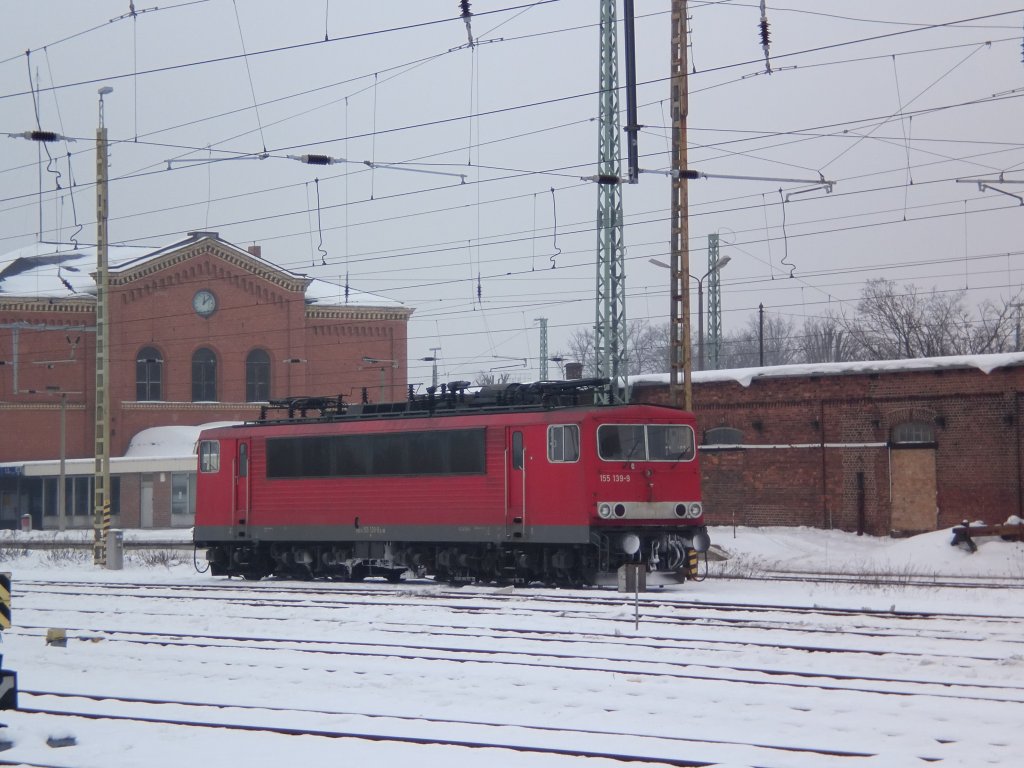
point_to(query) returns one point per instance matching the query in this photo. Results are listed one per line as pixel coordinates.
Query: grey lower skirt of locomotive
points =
(669, 553)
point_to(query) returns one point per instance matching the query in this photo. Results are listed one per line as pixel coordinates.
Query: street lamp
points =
(375, 361)
(715, 268)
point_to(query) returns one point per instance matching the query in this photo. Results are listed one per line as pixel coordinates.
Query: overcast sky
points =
(892, 101)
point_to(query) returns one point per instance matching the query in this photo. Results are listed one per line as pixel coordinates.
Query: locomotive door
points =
(515, 484)
(240, 519)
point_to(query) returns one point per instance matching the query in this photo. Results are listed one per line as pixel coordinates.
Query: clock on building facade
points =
(204, 303)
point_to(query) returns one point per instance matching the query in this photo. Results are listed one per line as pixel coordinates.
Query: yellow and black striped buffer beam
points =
(5, 600)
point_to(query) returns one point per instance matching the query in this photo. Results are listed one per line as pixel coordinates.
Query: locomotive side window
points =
(564, 443)
(450, 452)
(517, 450)
(669, 442)
(637, 442)
(209, 456)
(621, 442)
(243, 460)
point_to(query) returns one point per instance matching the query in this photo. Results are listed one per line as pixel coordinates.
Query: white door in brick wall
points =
(146, 502)
(914, 489)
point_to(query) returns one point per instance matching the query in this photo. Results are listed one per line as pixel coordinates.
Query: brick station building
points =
(893, 447)
(200, 331)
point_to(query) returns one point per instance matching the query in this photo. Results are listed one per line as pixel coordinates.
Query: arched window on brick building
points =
(204, 375)
(723, 436)
(149, 374)
(913, 433)
(257, 376)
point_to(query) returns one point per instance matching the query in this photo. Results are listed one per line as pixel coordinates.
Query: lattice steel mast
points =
(714, 304)
(610, 323)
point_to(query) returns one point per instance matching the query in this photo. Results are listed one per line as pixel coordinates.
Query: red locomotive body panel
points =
(542, 490)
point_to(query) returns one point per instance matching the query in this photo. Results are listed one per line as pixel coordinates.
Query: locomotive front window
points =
(669, 442)
(621, 442)
(209, 456)
(639, 442)
(564, 443)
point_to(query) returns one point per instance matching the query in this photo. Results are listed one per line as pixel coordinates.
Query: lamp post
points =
(375, 361)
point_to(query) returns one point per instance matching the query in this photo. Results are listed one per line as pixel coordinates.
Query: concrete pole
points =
(61, 500)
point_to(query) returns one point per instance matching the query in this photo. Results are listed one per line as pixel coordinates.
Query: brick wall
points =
(829, 464)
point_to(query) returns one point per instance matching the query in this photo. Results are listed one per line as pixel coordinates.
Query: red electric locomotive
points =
(519, 483)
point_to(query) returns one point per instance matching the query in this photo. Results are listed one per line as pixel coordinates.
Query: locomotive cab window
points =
(209, 456)
(669, 442)
(652, 442)
(517, 450)
(621, 442)
(564, 443)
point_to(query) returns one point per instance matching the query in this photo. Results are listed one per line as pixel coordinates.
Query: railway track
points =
(655, 612)
(382, 594)
(566, 662)
(361, 662)
(642, 747)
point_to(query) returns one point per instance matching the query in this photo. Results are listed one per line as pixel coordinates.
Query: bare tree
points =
(488, 378)
(998, 327)
(580, 349)
(894, 322)
(825, 340)
(646, 348)
(742, 348)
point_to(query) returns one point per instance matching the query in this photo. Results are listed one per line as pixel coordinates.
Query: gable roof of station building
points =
(54, 273)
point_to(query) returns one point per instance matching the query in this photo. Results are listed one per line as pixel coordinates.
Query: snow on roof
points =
(49, 271)
(744, 376)
(328, 294)
(167, 442)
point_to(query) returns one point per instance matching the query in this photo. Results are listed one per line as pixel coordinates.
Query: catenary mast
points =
(610, 323)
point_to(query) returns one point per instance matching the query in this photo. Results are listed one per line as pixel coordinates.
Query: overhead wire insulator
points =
(313, 159)
(47, 137)
(765, 38)
(466, 17)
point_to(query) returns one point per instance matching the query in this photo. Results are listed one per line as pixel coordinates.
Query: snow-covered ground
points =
(725, 672)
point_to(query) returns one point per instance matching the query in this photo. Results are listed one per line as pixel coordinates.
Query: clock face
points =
(204, 303)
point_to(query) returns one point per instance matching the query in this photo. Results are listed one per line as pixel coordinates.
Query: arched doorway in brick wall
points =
(914, 485)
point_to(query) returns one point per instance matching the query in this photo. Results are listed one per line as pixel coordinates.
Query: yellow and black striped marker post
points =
(691, 564)
(5, 600)
(8, 679)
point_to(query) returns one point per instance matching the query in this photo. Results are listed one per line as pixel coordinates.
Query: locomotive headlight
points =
(605, 510)
(696, 510)
(630, 544)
